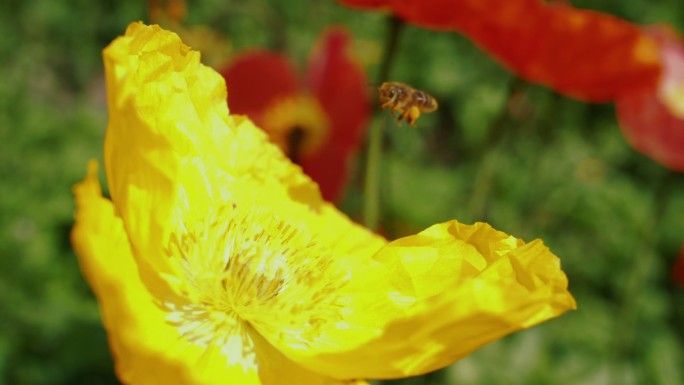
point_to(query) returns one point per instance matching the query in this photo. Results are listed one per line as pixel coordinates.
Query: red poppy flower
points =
(317, 120)
(584, 54)
(653, 120)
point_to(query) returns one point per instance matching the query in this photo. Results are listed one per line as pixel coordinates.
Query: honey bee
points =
(406, 100)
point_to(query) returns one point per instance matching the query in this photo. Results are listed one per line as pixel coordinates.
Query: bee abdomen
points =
(426, 102)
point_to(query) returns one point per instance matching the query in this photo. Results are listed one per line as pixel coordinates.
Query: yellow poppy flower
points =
(217, 261)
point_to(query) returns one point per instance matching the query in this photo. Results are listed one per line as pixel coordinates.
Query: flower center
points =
(245, 270)
(298, 125)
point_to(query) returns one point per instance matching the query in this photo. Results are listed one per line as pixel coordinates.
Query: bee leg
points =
(401, 116)
(393, 110)
(412, 115)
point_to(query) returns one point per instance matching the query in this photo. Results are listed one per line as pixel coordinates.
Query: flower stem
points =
(371, 196)
(490, 154)
(395, 26)
(371, 193)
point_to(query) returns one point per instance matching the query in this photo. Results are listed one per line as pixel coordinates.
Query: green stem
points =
(371, 196)
(489, 154)
(395, 26)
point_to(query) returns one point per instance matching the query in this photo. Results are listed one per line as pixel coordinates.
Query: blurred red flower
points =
(317, 121)
(583, 54)
(652, 119)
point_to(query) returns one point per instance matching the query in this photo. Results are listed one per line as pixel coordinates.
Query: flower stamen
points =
(244, 270)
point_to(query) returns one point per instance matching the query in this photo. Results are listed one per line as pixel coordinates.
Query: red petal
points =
(329, 167)
(581, 53)
(257, 79)
(339, 83)
(646, 121)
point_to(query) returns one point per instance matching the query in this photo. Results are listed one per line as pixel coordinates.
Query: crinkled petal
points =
(452, 288)
(147, 349)
(156, 156)
(174, 156)
(172, 152)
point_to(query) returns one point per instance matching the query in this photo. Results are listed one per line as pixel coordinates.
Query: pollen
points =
(244, 270)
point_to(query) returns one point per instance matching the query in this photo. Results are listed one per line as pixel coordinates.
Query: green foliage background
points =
(530, 162)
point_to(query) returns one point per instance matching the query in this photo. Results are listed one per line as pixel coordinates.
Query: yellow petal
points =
(175, 157)
(147, 349)
(462, 287)
(173, 154)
